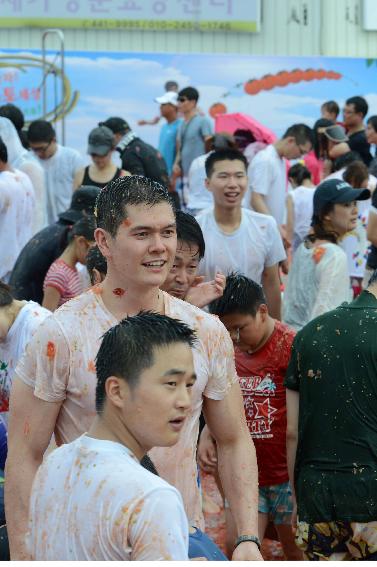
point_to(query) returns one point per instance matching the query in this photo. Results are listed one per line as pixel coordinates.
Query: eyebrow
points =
(140, 227)
(176, 371)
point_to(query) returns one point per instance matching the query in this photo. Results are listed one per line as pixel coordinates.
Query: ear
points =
(263, 310)
(102, 240)
(96, 276)
(206, 181)
(116, 390)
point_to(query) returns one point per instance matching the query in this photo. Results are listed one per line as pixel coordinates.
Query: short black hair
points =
(112, 201)
(84, 227)
(40, 131)
(372, 120)
(221, 155)
(241, 295)
(190, 93)
(14, 114)
(299, 173)
(359, 103)
(3, 151)
(95, 260)
(128, 348)
(6, 297)
(189, 230)
(300, 132)
(331, 106)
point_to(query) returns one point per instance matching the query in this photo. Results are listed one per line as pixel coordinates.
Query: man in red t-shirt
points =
(262, 351)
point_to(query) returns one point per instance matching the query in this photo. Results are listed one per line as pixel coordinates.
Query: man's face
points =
(167, 109)
(183, 272)
(154, 411)
(247, 332)
(351, 118)
(294, 150)
(185, 104)
(228, 183)
(142, 252)
(44, 150)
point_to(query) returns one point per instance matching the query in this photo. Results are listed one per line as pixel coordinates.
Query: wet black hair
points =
(189, 231)
(221, 155)
(128, 348)
(84, 227)
(241, 295)
(112, 201)
(95, 260)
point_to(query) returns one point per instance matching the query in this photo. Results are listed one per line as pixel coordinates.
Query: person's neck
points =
(12, 311)
(228, 220)
(355, 129)
(123, 299)
(307, 183)
(279, 146)
(190, 114)
(69, 255)
(110, 427)
(4, 166)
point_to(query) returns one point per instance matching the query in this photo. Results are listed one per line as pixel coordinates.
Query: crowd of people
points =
(204, 307)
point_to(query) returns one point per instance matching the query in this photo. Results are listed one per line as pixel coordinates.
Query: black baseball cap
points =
(83, 201)
(336, 191)
(116, 124)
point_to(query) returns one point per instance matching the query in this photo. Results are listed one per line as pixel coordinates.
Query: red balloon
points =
(217, 108)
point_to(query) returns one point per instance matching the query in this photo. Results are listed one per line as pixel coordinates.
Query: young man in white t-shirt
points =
(55, 385)
(237, 239)
(59, 163)
(91, 499)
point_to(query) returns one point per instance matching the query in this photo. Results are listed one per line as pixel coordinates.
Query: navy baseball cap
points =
(336, 191)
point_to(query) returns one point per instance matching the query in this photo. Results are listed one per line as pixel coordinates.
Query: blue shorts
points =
(276, 501)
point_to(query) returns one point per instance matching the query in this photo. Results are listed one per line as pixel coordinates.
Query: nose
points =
(181, 277)
(157, 244)
(184, 397)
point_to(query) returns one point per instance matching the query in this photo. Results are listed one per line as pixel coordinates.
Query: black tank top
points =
(89, 181)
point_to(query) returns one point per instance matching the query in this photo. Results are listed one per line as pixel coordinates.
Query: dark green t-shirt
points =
(334, 368)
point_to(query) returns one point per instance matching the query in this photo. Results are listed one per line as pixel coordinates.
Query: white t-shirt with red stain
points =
(59, 366)
(93, 501)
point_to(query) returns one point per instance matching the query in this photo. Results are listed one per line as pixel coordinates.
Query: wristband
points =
(252, 538)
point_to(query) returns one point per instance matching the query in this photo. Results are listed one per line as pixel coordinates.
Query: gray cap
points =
(336, 133)
(101, 141)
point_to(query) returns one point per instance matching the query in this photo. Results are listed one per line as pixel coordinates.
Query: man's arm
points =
(31, 425)
(293, 399)
(258, 203)
(237, 465)
(271, 286)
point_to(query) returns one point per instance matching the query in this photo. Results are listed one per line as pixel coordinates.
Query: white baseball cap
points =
(169, 97)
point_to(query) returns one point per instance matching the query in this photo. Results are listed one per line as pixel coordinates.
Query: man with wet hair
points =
(145, 376)
(54, 387)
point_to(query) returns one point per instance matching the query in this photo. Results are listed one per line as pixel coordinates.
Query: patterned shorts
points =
(338, 541)
(276, 501)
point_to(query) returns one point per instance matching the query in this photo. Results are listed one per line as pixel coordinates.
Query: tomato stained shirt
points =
(261, 377)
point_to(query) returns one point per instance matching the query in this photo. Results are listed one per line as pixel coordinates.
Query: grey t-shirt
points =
(191, 136)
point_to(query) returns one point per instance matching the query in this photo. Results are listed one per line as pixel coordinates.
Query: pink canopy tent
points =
(232, 122)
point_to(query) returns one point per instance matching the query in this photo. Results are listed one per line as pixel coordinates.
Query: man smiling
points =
(55, 384)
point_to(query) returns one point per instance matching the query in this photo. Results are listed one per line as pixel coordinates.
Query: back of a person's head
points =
(298, 172)
(3, 151)
(116, 124)
(356, 174)
(331, 106)
(190, 232)
(222, 155)
(345, 160)
(372, 120)
(14, 114)
(220, 141)
(359, 103)
(6, 297)
(95, 260)
(113, 199)
(300, 132)
(84, 227)
(241, 295)
(40, 131)
(128, 348)
(171, 86)
(190, 93)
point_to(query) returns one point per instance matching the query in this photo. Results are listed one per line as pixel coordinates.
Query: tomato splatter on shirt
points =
(91, 366)
(318, 252)
(51, 350)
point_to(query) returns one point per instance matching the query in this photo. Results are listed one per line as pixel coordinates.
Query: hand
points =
(177, 172)
(247, 551)
(202, 293)
(284, 267)
(142, 122)
(207, 452)
(283, 233)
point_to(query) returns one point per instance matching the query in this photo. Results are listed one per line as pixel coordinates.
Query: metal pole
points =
(60, 35)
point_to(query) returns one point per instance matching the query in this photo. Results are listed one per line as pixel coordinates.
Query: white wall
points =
(289, 27)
